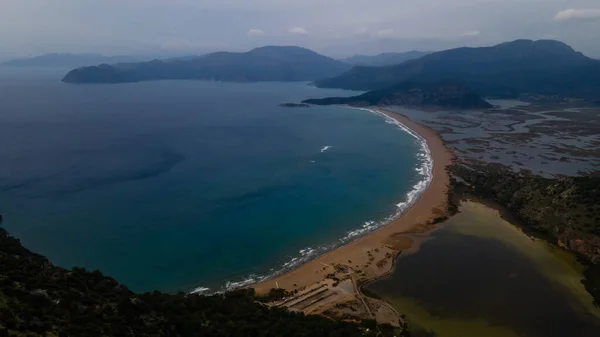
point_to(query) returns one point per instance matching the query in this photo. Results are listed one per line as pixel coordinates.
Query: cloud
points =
(298, 31)
(361, 31)
(578, 14)
(255, 32)
(30, 27)
(470, 33)
(385, 32)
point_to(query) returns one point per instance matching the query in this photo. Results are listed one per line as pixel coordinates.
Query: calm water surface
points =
(173, 185)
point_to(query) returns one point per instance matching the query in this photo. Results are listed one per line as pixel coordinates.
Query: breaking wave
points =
(325, 148)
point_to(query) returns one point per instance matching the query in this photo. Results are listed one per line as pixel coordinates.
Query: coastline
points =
(371, 256)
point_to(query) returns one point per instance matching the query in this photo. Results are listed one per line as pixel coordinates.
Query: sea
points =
(194, 185)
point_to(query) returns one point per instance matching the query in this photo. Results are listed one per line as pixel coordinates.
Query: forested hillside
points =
(508, 69)
(40, 299)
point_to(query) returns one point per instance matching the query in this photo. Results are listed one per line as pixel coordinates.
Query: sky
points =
(338, 28)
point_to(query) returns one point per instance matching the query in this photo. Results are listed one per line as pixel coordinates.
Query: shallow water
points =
(481, 276)
(174, 185)
(507, 139)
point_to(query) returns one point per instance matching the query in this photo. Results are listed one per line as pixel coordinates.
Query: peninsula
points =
(446, 94)
(271, 63)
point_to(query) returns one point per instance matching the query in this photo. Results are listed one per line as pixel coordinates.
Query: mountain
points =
(67, 60)
(40, 299)
(270, 63)
(442, 94)
(543, 66)
(385, 59)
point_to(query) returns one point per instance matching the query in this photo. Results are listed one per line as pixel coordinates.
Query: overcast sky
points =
(334, 27)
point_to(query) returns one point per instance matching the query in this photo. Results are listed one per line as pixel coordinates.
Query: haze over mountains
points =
(67, 60)
(523, 66)
(269, 63)
(543, 66)
(384, 59)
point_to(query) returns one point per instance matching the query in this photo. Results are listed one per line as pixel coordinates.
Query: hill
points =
(442, 94)
(507, 69)
(270, 63)
(40, 299)
(384, 59)
(67, 60)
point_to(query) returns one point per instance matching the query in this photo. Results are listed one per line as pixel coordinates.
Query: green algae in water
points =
(557, 264)
(424, 324)
(481, 276)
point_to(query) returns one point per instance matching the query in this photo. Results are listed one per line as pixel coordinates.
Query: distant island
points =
(384, 59)
(505, 70)
(294, 105)
(67, 60)
(445, 94)
(271, 63)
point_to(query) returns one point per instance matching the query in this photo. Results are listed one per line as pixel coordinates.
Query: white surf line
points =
(308, 254)
(426, 168)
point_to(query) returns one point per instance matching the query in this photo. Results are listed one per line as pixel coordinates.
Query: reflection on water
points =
(481, 276)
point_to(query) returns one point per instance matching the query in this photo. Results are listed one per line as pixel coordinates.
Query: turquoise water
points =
(174, 185)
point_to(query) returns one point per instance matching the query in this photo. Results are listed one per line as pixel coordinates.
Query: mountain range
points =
(384, 59)
(271, 63)
(446, 94)
(507, 69)
(544, 67)
(67, 60)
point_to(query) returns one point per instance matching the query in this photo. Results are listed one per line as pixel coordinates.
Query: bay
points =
(175, 185)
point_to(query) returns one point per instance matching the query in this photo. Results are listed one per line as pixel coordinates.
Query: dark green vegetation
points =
(564, 210)
(443, 94)
(274, 295)
(40, 299)
(260, 64)
(67, 60)
(384, 59)
(508, 69)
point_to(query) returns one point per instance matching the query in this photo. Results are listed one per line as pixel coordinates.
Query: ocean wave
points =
(425, 170)
(200, 290)
(325, 148)
(249, 280)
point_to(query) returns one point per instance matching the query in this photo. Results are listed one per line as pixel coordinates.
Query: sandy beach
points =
(372, 255)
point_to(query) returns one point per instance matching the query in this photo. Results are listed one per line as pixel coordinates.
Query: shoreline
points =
(309, 254)
(371, 256)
